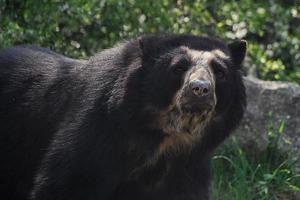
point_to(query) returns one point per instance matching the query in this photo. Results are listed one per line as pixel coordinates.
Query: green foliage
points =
(79, 28)
(271, 175)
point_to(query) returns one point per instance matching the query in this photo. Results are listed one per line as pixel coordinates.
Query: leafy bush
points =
(79, 28)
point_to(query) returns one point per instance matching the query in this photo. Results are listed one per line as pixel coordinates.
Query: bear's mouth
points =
(196, 109)
(186, 119)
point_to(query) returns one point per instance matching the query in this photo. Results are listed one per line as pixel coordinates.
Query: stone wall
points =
(272, 106)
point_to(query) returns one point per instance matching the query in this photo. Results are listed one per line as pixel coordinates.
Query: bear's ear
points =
(147, 45)
(238, 50)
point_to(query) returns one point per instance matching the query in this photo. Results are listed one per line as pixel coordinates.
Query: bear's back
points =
(32, 104)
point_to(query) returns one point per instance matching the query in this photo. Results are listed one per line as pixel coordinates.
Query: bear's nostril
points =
(205, 90)
(196, 89)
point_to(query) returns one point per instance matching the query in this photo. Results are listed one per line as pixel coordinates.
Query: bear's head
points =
(191, 86)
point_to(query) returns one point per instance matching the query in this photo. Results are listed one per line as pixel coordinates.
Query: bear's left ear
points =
(238, 50)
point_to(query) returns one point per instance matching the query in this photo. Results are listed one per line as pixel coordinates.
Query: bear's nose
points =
(200, 87)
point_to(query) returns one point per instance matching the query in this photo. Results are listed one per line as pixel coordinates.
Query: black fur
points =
(74, 129)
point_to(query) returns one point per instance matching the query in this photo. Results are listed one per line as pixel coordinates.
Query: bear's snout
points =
(198, 92)
(197, 97)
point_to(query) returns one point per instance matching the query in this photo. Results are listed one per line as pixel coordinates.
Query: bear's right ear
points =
(143, 43)
(148, 46)
(238, 50)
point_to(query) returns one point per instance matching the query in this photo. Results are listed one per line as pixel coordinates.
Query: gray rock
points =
(273, 110)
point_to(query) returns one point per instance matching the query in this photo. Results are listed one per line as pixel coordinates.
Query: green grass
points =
(239, 174)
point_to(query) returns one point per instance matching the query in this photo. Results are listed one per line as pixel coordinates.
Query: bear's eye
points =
(220, 74)
(180, 69)
(180, 65)
(219, 70)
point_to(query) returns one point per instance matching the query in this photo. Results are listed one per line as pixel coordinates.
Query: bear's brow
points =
(200, 57)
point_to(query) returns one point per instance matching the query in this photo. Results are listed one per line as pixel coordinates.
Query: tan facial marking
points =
(182, 129)
(204, 56)
(176, 143)
(220, 54)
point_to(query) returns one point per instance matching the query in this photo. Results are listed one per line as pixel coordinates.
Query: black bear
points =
(137, 121)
